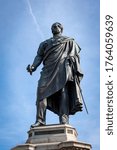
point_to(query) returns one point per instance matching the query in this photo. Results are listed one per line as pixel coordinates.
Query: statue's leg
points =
(64, 106)
(41, 113)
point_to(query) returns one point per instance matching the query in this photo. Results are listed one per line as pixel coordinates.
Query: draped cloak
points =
(61, 63)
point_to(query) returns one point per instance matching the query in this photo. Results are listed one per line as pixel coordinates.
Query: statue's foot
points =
(37, 124)
(64, 119)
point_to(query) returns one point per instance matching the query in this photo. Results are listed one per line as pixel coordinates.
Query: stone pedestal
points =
(53, 137)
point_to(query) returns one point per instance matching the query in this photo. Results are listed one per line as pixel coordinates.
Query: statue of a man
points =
(59, 85)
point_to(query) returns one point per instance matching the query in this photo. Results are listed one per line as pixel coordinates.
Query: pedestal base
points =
(53, 137)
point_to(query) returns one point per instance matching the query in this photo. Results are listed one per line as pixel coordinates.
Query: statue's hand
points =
(30, 69)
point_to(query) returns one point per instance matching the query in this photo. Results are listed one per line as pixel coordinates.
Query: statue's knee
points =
(43, 103)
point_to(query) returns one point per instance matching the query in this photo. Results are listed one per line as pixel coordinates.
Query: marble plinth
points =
(53, 137)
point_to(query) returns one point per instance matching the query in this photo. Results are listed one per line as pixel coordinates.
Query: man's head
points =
(57, 28)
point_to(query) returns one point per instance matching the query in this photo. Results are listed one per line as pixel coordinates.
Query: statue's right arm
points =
(37, 60)
(39, 57)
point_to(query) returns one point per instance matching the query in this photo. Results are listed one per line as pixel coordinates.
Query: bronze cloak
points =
(61, 63)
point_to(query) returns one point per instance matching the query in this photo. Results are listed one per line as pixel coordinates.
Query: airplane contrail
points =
(35, 20)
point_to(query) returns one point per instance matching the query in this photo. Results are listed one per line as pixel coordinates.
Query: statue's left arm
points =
(77, 52)
(77, 60)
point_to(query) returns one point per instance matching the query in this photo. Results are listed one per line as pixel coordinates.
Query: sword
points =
(82, 95)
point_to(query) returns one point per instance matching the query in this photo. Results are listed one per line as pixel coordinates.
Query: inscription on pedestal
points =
(48, 132)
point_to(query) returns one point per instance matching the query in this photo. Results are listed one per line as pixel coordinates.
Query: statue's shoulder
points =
(72, 40)
(45, 43)
(67, 38)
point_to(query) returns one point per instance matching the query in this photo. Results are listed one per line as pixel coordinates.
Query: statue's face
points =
(56, 28)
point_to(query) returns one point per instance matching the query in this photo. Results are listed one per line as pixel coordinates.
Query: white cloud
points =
(35, 20)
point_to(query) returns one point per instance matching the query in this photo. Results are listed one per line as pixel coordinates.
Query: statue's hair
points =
(60, 25)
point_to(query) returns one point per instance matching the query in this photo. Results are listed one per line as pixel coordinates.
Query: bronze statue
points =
(59, 85)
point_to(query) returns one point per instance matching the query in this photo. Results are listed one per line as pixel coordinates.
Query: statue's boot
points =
(37, 124)
(64, 119)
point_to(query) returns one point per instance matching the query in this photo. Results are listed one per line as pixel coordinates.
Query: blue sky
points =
(23, 25)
